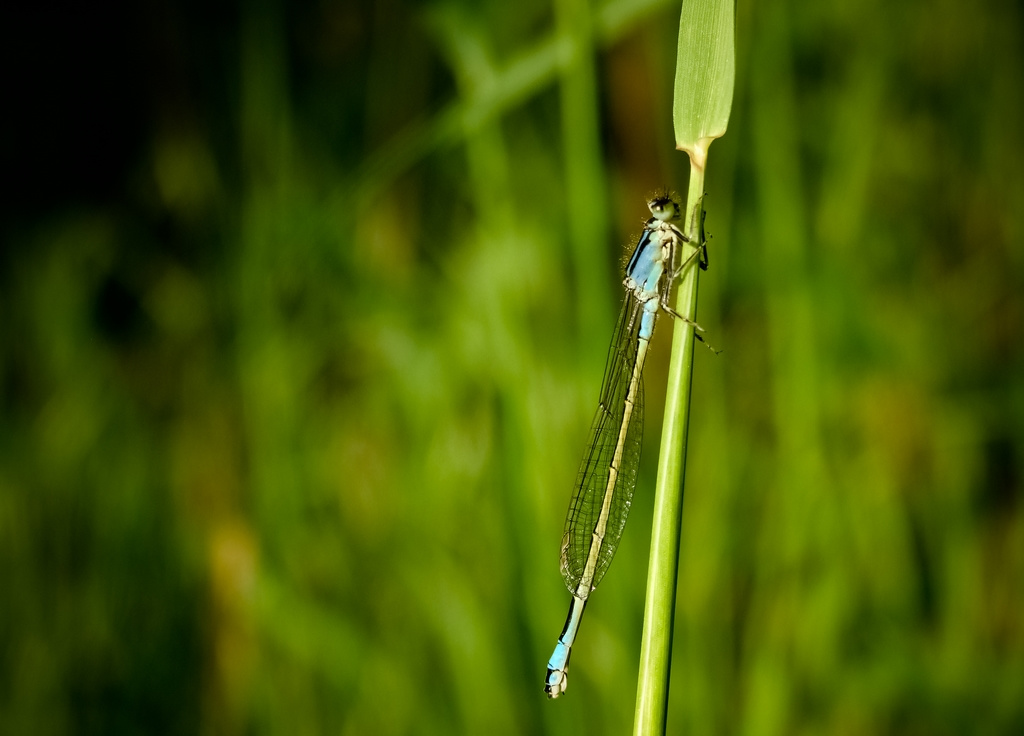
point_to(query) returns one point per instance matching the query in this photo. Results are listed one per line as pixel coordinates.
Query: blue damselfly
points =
(607, 476)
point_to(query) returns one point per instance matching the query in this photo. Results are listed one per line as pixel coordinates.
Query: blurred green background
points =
(304, 311)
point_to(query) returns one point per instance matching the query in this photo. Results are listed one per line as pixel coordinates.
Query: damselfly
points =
(604, 487)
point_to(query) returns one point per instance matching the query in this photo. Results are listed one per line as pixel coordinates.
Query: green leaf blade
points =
(705, 75)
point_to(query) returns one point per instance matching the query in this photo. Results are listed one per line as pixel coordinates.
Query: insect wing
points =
(595, 469)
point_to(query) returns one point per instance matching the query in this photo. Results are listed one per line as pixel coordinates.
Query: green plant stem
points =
(659, 609)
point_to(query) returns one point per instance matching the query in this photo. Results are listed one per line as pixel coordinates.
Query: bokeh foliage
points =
(296, 374)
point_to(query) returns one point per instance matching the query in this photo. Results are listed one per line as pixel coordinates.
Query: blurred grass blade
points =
(705, 75)
(518, 79)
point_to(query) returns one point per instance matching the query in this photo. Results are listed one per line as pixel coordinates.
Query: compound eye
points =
(664, 208)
